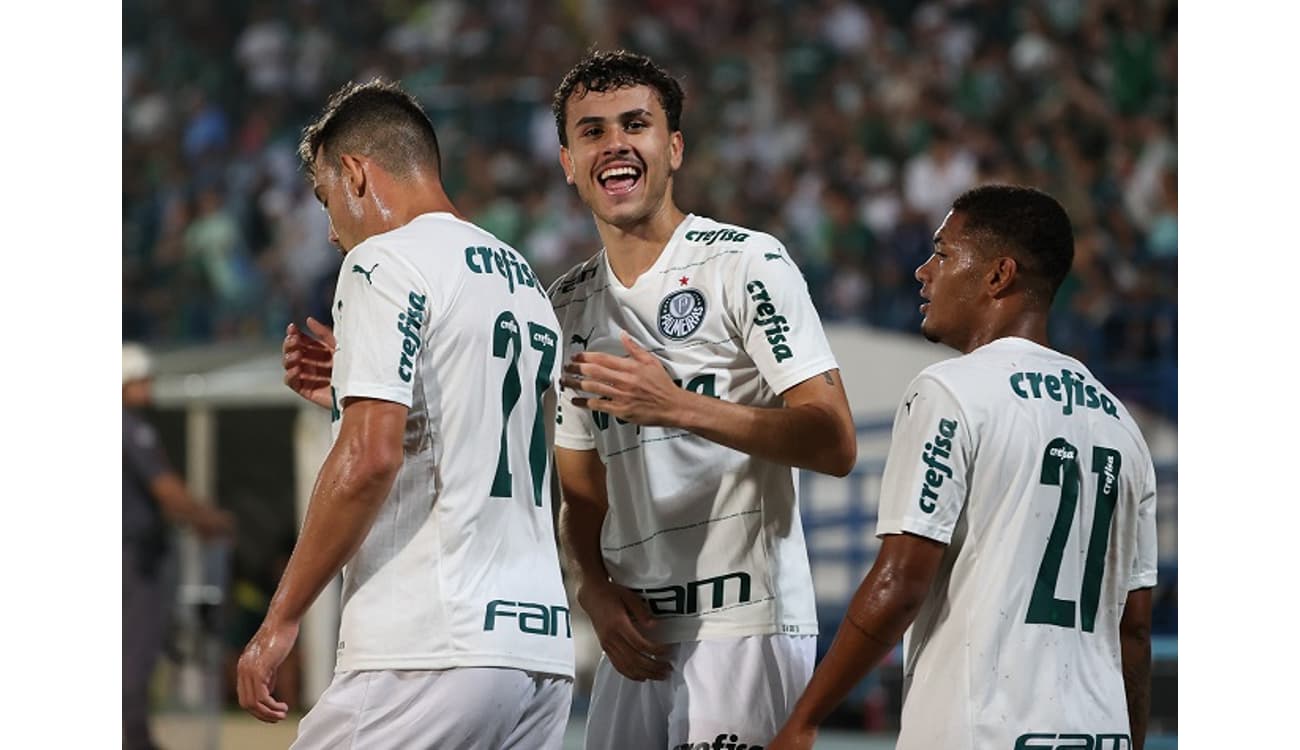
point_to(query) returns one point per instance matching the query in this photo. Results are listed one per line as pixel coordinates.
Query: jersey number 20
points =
(1061, 468)
(506, 344)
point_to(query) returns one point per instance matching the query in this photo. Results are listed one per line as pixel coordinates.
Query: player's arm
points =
(1135, 658)
(881, 610)
(350, 489)
(813, 430)
(615, 611)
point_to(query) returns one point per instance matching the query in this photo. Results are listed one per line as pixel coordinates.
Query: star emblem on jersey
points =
(683, 280)
(681, 313)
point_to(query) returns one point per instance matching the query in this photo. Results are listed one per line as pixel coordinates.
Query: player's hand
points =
(257, 669)
(792, 737)
(635, 388)
(308, 362)
(616, 613)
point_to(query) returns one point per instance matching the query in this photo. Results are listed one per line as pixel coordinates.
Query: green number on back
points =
(506, 343)
(544, 340)
(1061, 468)
(505, 332)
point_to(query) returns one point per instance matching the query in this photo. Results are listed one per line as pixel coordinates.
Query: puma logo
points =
(775, 256)
(364, 272)
(584, 341)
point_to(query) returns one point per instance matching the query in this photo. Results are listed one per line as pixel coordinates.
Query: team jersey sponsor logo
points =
(409, 323)
(716, 235)
(681, 313)
(773, 325)
(528, 617)
(725, 741)
(685, 600)
(358, 269)
(504, 263)
(1067, 741)
(936, 452)
(1069, 389)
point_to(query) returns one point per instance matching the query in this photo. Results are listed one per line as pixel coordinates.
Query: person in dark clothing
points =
(153, 496)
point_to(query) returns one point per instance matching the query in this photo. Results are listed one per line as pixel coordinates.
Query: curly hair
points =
(609, 71)
(378, 119)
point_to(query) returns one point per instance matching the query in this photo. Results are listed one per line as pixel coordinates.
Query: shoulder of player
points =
(706, 232)
(571, 281)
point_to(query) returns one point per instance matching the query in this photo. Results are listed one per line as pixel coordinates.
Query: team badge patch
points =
(681, 313)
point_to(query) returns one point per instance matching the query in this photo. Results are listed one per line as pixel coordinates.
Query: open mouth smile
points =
(619, 179)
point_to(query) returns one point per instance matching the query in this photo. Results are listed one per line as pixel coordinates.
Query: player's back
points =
(460, 567)
(1019, 639)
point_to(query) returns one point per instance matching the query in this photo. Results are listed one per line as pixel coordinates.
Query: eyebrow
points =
(625, 116)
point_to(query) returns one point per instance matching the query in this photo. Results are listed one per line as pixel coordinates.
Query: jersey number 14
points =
(1061, 468)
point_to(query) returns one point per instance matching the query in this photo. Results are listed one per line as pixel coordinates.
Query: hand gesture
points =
(615, 613)
(635, 388)
(257, 669)
(308, 362)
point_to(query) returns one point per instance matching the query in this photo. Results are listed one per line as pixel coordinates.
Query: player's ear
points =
(676, 150)
(1001, 274)
(566, 161)
(352, 171)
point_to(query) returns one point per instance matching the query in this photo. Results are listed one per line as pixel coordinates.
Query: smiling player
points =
(699, 375)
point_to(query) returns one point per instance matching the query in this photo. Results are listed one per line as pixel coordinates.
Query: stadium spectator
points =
(986, 484)
(1076, 97)
(699, 376)
(153, 497)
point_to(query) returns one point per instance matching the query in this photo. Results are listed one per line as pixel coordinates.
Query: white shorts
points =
(730, 692)
(470, 708)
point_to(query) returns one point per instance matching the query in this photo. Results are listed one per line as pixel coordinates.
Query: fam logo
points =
(681, 313)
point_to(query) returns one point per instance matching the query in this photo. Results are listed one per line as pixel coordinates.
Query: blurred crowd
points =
(843, 128)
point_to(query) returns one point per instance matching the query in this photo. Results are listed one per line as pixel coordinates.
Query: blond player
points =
(1017, 514)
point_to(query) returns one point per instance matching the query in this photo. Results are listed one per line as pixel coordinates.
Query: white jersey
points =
(1040, 483)
(709, 536)
(460, 568)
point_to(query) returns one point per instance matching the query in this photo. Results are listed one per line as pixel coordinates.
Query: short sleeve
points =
(1146, 561)
(574, 427)
(383, 320)
(142, 452)
(779, 326)
(924, 486)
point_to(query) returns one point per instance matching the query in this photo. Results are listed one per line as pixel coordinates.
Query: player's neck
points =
(404, 201)
(1030, 326)
(633, 249)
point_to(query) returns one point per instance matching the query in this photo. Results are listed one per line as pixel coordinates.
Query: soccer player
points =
(699, 375)
(435, 497)
(1017, 516)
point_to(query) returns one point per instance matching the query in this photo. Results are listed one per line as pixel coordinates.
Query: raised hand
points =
(635, 388)
(308, 362)
(615, 614)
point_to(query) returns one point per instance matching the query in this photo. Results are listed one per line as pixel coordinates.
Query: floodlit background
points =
(843, 128)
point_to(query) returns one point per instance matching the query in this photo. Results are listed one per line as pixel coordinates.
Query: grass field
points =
(237, 731)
